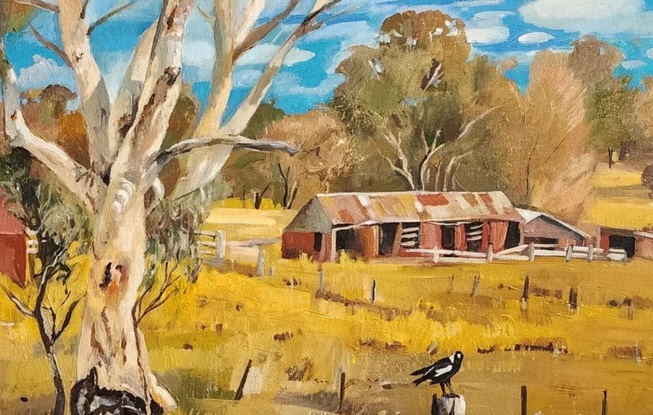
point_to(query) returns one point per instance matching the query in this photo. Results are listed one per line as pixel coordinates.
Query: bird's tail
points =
(417, 382)
(421, 371)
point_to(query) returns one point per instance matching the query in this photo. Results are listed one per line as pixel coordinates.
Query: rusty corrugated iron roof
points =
(390, 207)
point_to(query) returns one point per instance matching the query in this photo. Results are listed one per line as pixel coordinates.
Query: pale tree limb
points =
(109, 15)
(221, 79)
(206, 15)
(244, 22)
(20, 306)
(73, 176)
(50, 45)
(205, 165)
(402, 172)
(125, 106)
(244, 113)
(430, 152)
(94, 97)
(247, 41)
(236, 141)
(40, 4)
(450, 166)
(162, 88)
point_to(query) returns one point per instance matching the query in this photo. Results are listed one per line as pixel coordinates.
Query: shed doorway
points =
(627, 243)
(388, 234)
(513, 235)
(347, 241)
(448, 237)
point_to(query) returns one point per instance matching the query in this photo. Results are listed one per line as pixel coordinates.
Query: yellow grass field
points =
(201, 340)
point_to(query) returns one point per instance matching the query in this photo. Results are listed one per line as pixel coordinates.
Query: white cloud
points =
(45, 72)
(649, 53)
(468, 4)
(633, 64)
(488, 36)
(290, 84)
(345, 30)
(262, 53)
(487, 28)
(534, 37)
(590, 16)
(245, 78)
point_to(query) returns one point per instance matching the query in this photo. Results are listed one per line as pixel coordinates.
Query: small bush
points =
(647, 177)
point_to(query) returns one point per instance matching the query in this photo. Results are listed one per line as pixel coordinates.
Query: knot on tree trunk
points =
(87, 398)
(448, 405)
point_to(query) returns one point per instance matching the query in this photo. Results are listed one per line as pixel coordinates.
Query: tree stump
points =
(448, 405)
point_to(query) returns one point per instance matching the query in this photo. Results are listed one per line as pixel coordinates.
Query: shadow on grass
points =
(189, 386)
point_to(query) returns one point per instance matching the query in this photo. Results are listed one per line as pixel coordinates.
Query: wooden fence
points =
(214, 246)
(524, 253)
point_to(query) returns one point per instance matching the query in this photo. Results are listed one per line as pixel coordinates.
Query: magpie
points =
(440, 372)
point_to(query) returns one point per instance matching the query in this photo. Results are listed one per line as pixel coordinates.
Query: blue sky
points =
(498, 28)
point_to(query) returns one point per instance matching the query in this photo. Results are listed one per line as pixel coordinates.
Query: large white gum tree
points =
(122, 185)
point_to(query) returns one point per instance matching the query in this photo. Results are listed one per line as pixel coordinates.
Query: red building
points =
(13, 246)
(371, 225)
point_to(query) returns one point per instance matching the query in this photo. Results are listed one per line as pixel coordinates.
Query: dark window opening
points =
(388, 232)
(474, 234)
(317, 242)
(513, 235)
(448, 237)
(626, 243)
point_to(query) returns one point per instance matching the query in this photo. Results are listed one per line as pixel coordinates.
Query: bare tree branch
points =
(66, 320)
(51, 46)
(237, 141)
(424, 164)
(94, 97)
(73, 176)
(109, 15)
(206, 15)
(125, 106)
(161, 90)
(404, 173)
(238, 122)
(40, 4)
(262, 31)
(19, 304)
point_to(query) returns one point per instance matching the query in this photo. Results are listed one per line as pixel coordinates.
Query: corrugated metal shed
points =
(392, 207)
(531, 215)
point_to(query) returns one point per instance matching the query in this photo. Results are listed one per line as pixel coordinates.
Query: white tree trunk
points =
(112, 354)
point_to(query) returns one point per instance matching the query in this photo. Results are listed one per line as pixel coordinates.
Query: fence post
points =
(373, 291)
(531, 251)
(477, 281)
(220, 247)
(604, 403)
(490, 253)
(435, 405)
(451, 283)
(570, 251)
(260, 262)
(239, 392)
(320, 279)
(590, 253)
(573, 299)
(524, 400)
(341, 394)
(631, 309)
(524, 296)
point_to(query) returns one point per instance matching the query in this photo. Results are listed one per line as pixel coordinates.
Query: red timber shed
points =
(13, 245)
(392, 224)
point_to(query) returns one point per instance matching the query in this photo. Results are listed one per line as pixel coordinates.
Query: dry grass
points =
(200, 341)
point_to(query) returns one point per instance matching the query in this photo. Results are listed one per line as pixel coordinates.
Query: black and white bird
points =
(440, 372)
